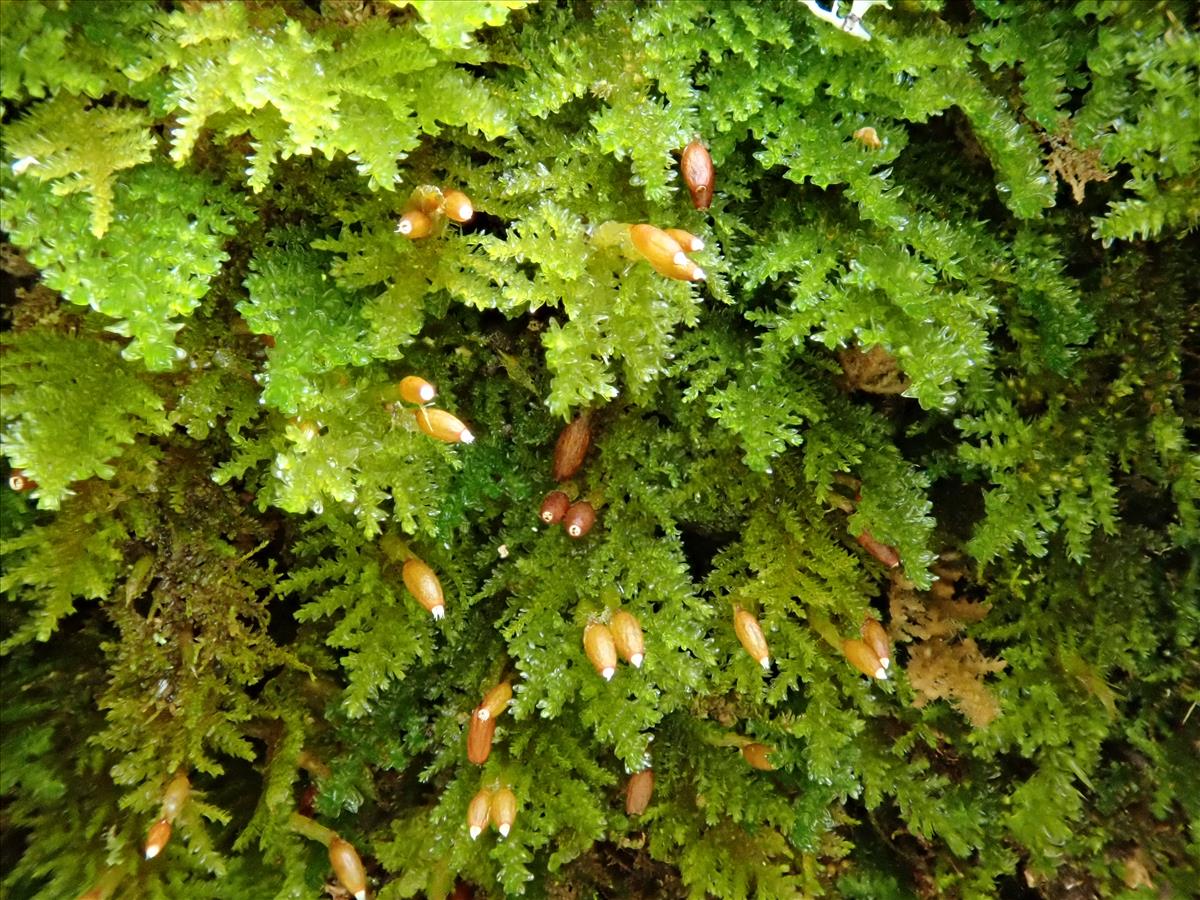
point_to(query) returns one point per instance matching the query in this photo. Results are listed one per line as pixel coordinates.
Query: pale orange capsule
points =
(601, 649)
(660, 249)
(627, 635)
(479, 738)
(496, 701)
(696, 166)
(457, 206)
(437, 423)
(422, 582)
(479, 812)
(156, 838)
(20, 482)
(414, 225)
(554, 507)
(882, 552)
(348, 867)
(175, 796)
(875, 637)
(864, 659)
(638, 792)
(868, 137)
(757, 756)
(579, 519)
(504, 810)
(571, 448)
(685, 239)
(750, 633)
(414, 389)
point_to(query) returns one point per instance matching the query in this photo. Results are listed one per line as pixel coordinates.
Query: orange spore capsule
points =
(750, 633)
(864, 659)
(496, 701)
(457, 206)
(504, 810)
(579, 519)
(156, 838)
(757, 756)
(414, 389)
(348, 867)
(627, 635)
(479, 738)
(601, 649)
(414, 225)
(437, 423)
(422, 582)
(554, 507)
(685, 239)
(638, 792)
(660, 249)
(478, 813)
(882, 552)
(571, 448)
(696, 166)
(875, 637)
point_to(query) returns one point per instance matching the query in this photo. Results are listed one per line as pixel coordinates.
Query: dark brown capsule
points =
(638, 792)
(697, 169)
(572, 448)
(554, 507)
(882, 552)
(579, 519)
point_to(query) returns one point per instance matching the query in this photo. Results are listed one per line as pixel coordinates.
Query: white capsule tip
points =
(439, 612)
(636, 660)
(765, 662)
(360, 895)
(607, 673)
(698, 274)
(574, 531)
(466, 437)
(881, 673)
(465, 211)
(697, 245)
(483, 714)
(504, 830)
(405, 227)
(680, 259)
(152, 852)
(885, 662)
(426, 393)
(475, 831)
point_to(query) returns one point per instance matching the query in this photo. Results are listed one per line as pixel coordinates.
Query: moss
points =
(968, 344)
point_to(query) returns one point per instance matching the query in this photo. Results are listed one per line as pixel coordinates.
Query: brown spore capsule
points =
(422, 582)
(638, 792)
(175, 796)
(579, 519)
(875, 637)
(496, 701)
(156, 838)
(882, 552)
(554, 507)
(458, 207)
(601, 649)
(572, 447)
(479, 738)
(864, 659)
(696, 166)
(478, 813)
(414, 389)
(757, 755)
(437, 423)
(415, 225)
(348, 867)
(750, 633)
(627, 635)
(504, 810)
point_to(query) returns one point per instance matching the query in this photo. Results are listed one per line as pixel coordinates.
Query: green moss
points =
(971, 344)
